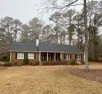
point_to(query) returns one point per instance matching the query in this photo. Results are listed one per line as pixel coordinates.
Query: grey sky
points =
(24, 10)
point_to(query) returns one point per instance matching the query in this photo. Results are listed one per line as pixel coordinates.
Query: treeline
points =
(67, 28)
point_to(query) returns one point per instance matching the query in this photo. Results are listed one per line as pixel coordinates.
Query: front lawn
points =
(2, 68)
(50, 80)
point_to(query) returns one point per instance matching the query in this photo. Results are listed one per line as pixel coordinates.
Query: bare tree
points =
(54, 5)
(86, 37)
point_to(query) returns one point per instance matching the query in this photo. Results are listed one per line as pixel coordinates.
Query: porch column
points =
(54, 56)
(10, 56)
(61, 56)
(47, 56)
(39, 58)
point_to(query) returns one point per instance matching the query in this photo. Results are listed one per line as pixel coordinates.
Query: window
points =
(20, 55)
(67, 56)
(30, 55)
(78, 57)
(43, 56)
(50, 56)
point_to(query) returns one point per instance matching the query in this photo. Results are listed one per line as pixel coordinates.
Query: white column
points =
(61, 56)
(54, 56)
(47, 56)
(10, 56)
(39, 58)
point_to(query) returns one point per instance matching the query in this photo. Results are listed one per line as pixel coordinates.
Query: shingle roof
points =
(44, 47)
(18, 46)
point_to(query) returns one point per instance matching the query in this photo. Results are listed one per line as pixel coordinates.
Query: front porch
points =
(48, 56)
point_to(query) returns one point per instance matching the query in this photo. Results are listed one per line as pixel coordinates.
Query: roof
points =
(44, 47)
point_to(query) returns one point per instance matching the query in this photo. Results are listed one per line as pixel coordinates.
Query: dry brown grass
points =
(2, 68)
(46, 80)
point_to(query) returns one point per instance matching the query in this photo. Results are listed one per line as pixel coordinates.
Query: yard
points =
(51, 80)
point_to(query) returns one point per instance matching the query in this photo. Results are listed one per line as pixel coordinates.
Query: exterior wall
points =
(14, 60)
(72, 57)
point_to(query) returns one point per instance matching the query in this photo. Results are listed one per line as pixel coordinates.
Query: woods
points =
(67, 28)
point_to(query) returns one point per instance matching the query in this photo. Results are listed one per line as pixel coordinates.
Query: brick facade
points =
(15, 60)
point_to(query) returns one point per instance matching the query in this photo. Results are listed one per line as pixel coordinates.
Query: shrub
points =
(65, 62)
(73, 62)
(35, 63)
(5, 58)
(19, 63)
(8, 64)
(82, 62)
(50, 63)
(26, 61)
(89, 59)
(0, 57)
(55, 62)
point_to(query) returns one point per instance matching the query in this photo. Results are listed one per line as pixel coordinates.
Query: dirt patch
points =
(92, 74)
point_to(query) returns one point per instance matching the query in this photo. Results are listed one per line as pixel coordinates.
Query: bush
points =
(26, 61)
(73, 62)
(5, 58)
(8, 64)
(82, 62)
(35, 63)
(19, 63)
(50, 62)
(89, 59)
(65, 63)
(0, 57)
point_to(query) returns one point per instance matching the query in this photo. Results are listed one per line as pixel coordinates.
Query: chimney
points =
(37, 42)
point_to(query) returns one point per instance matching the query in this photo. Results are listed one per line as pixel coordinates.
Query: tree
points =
(25, 33)
(94, 21)
(86, 37)
(78, 21)
(46, 32)
(70, 26)
(54, 4)
(56, 17)
(35, 28)
(16, 28)
(6, 25)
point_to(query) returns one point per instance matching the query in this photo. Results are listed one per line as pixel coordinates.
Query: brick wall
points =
(15, 60)
(72, 57)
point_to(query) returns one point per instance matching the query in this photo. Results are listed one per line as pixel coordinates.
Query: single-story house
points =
(43, 51)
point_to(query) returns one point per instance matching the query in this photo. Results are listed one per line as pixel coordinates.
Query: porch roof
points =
(44, 47)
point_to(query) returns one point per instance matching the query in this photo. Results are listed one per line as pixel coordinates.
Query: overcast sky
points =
(24, 10)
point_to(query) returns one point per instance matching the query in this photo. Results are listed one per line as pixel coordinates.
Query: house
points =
(42, 51)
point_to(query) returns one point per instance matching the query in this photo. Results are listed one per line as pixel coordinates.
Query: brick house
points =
(42, 51)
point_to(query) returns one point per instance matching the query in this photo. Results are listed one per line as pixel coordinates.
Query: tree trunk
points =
(86, 37)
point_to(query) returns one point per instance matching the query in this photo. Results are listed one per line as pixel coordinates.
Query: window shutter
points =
(70, 56)
(81, 57)
(15, 55)
(25, 55)
(64, 56)
(75, 56)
